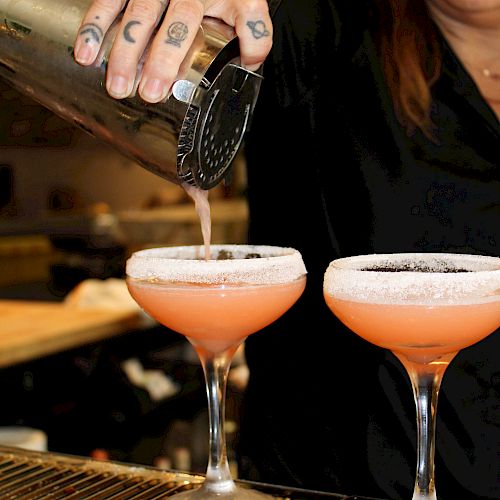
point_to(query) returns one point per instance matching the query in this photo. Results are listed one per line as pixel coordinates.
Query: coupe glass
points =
(216, 303)
(425, 308)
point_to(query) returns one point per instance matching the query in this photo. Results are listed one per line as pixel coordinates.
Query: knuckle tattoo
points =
(258, 29)
(92, 33)
(177, 32)
(127, 31)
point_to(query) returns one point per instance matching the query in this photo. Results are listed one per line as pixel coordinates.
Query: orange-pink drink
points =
(215, 317)
(218, 302)
(422, 306)
(431, 329)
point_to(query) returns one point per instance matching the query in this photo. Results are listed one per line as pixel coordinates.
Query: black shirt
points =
(332, 172)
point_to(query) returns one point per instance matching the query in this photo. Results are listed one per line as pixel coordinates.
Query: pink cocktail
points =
(215, 317)
(216, 303)
(425, 308)
(430, 330)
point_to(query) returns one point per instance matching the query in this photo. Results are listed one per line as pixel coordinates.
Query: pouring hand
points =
(172, 25)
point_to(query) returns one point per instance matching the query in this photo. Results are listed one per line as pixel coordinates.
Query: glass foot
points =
(238, 493)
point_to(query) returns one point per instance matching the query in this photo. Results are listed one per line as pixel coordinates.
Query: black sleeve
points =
(311, 40)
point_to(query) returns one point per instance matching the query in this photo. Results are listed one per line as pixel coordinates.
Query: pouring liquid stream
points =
(202, 206)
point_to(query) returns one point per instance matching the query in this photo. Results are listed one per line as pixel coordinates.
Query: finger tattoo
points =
(176, 33)
(92, 32)
(126, 31)
(258, 29)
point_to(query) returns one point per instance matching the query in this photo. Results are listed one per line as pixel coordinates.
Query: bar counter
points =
(30, 475)
(34, 329)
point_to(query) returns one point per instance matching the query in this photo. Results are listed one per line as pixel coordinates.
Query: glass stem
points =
(216, 370)
(426, 381)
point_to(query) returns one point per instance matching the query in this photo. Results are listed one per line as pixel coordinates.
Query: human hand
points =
(171, 37)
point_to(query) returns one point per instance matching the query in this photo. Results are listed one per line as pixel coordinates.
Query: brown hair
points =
(411, 59)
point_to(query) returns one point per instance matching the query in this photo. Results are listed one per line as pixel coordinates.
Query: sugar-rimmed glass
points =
(425, 308)
(216, 303)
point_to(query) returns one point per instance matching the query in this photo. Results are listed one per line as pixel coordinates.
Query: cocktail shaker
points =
(192, 137)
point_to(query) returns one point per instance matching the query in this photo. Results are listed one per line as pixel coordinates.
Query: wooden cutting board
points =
(31, 330)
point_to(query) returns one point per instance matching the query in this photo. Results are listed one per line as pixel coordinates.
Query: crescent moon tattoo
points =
(126, 31)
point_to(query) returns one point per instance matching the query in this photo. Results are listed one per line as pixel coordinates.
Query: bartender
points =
(376, 130)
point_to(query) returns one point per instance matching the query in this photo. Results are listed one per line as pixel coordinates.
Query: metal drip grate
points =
(31, 475)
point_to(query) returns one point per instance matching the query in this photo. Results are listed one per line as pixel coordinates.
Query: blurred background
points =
(78, 360)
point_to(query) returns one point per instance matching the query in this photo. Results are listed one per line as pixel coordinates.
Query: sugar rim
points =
(345, 278)
(187, 264)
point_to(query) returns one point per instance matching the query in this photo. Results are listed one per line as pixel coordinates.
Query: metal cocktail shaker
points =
(192, 136)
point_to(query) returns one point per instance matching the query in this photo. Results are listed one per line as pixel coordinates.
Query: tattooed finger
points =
(139, 21)
(170, 46)
(88, 42)
(95, 24)
(255, 34)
